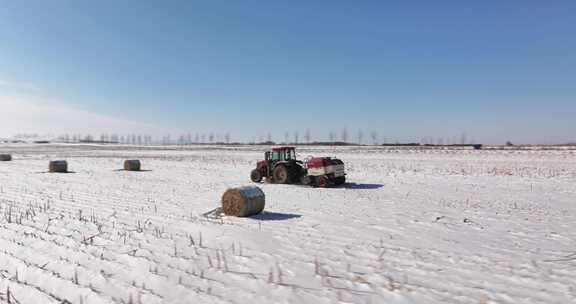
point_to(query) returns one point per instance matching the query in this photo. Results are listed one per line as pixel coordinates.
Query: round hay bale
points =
(243, 201)
(132, 165)
(58, 166)
(5, 157)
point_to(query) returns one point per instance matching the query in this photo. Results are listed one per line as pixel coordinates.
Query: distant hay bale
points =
(132, 165)
(58, 166)
(243, 201)
(5, 157)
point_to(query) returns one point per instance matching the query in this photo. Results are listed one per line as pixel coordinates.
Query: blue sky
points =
(495, 70)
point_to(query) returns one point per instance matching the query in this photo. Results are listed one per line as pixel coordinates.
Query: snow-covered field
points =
(413, 226)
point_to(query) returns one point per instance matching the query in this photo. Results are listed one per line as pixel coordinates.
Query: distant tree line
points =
(342, 137)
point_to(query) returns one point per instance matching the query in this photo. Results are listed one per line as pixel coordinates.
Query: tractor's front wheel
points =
(281, 175)
(256, 176)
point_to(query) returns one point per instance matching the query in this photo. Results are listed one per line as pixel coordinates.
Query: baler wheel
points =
(340, 180)
(322, 182)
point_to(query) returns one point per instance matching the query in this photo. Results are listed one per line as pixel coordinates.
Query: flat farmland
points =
(410, 226)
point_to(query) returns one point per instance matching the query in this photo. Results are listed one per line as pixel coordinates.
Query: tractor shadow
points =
(360, 186)
(274, 216)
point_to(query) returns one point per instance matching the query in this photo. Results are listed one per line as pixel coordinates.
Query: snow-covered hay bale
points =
(243, 201)
(132, 165)
(58, 166)
(5, 157)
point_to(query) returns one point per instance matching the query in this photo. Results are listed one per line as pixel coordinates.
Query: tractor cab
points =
(281, 154)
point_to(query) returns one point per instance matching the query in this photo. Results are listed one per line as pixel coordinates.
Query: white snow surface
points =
(412, 226)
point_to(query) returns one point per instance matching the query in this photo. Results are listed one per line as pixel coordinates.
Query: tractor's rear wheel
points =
(281, 175)
(256, 176)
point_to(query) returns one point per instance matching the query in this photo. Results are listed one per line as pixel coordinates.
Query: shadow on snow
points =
(274, 216)
(360, 186)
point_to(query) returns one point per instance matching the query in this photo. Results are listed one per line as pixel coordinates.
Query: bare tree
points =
(307, 136)
(227, 136)
(332, 136)
(286, 137)
(296, 137)
(374, 137)
(360, 136)
(344, 135)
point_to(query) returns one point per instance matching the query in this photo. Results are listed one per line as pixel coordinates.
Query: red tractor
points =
(280, 166)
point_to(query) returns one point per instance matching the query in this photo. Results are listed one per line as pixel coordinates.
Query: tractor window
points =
(290, 154)
(276, 155)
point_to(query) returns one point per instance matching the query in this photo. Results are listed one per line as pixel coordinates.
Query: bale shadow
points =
(361, 186)
(274, 216)
(117, 170)
(48, 172)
